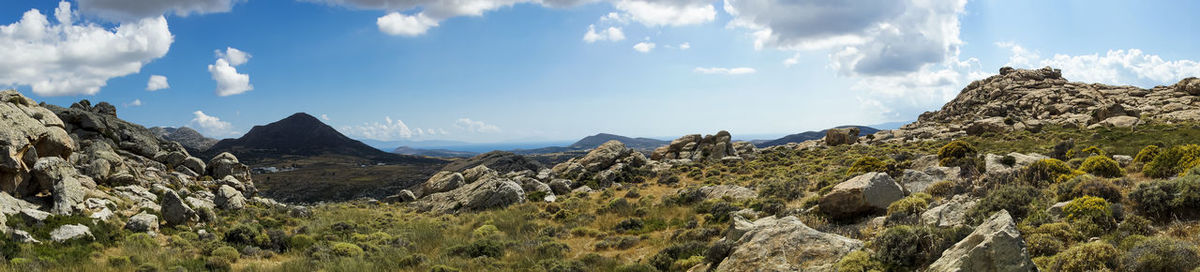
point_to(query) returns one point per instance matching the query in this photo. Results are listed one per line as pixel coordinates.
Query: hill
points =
(809, 135)
(587, 143)
(301, 135)
(441, 153)
(496, 160)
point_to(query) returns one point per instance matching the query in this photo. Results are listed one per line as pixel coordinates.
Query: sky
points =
(548, 70)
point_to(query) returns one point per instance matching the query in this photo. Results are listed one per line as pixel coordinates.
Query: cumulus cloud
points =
(475, 126)
(415, 17)
(75, 58)
(157, 82)
(211, 125)
(867, 37)
(137, 9)
(724, 71)
(134, 103)
(229, 81)
(1126, 67)
(389, 130)
(644, 47)
(399, 24)
(325, 117)
(685, 46)
(610, 34)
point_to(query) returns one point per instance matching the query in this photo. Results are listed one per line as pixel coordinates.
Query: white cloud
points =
(610, 34)
(157, 82)
(685, 46)
(389, 130)
(211, 125)
(668, 13)
(475, 126)
(325, 117)
(1126, 67)
(134, 103)
(398, 24)
(644, 47)
(229, 81)
(66, 58)
(137, 9)
(724, 71)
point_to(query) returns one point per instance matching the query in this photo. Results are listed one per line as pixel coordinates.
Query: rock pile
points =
(708, 148)
(609, 163)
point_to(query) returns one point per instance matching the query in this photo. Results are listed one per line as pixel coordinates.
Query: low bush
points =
(1087, 185)
(951, 153)
(665, 259)
(1162, 254)
(943, 188)
(345, 249)
(908, 207)
(1041, 244)
(866, 165)
(782, 189)
(1173, 161)
(227, 253)
(1094, 256)
(1161, 199)
(858, 261)
(1045, 171)
(479, 248)
(909, 247)
(1017, 199)
(1102, 166)
(1090, 215)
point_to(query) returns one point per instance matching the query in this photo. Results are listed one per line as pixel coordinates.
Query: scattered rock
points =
(478, 172)
(610, 163)
(70, 232)
(63, 180)
(401, 197)
(995, 163)
(783, 244)
(28, 132)
(24, 237)
(103, 215)
(33, 216)
(142, 222)
(995, 245)
(229, 198)
(226, 164)
(1123, 160)
(175, 211)
(949, 214)
(560, 186)
(917, 181)
(861, 194)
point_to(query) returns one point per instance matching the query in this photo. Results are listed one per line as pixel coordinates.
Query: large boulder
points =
(63, 181)
(998, 164)
(917, 181)
(783, 244)
(480, 195)
(175, 211)
(864, 193)
(226, 164)
(441, 182)
(70, 232)
(229, 198)
(1189, 85)
(996, 245)
(949, 214)
(841, 136)
(695, 148)
(27, 132)
(100, 123)
(401, 197)
(142, 222)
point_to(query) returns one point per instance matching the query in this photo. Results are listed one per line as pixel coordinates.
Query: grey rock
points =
(23, 237)
(783, 244)
(442, 181)
(993, 164)
(560, 186)
(175, 211)
(478, 172)
(64, 181)
(103, 215)
(949, 214)
(34, 216)
(1123, 160)
(401, 197)
(864, 193)
(142, 222)
(995, 245)
(195, 164)
(696, 148)
(480, 195)
(27, 132)
(70, 232)
(226, 164)
(229, 198)
(10, 205)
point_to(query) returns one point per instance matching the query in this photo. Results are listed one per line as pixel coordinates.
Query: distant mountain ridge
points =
(590, 142)
(442, 153)
(809, 135)
(301, 135)
(188, 137)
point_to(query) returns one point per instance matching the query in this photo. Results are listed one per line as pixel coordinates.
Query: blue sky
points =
(520, 70)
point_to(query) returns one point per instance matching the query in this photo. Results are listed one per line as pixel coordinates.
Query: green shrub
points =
(1147, 154)
(479, 248)
(1173, 161)
(908, 207)
(118, 261)
(943, 188)
(1014, 198)
(1135, 225)
(858, 261)
(782, 189)
(1094, 256)
(1162, 199)
(951, 153)
(442, 268)
(1162, 254)
(1102, 166)
(866, 165)
(1094, 151)
(1041, 244)
(1091, 215)
(485, 231)
(345, 249)
(244, 234)
(227, 253)
(1045, 171)
(300, 242)
(912, 247)
(1087, 185)
(636, 267)
(665, 259)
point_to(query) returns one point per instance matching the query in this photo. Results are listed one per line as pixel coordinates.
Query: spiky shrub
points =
(1168, 198)
(1173, 161)
(1041, 244)
(1162, 254)
(953, 153)
(908, 207)
(1091, 215)
(1015, 199)
(859, 261)
(908, 247)
(1094, 151)
(943, 188)
(1094, 256)
(1100, 165)
(1147, 154)
(1087, 185)
(866, 165)
(1045, 171)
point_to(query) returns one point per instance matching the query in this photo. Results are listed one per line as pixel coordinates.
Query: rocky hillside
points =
(1028, 100)
(808, 136)
(499, 160)
(188, 137)
(301, 135)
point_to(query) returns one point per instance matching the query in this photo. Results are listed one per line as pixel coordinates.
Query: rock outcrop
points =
(441, 182)
(783, 244)
(480, 195)
(696, 148)
(175, 211)
(861, 194)
(610, 163)
(995, 245)
(949, 214)
(142, 222)
(28, 132)
(841, 136)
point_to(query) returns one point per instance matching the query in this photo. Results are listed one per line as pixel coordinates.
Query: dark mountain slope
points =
(302, 135)
(809, 135)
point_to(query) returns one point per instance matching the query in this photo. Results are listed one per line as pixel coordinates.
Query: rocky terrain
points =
(191, 139)
(1023, 171)
(807, 136)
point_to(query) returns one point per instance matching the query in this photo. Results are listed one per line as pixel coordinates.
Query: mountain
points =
(808, 135)
(501, 161)
(590, 142)
(188, 137)
(442, 153)
(301, 135)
